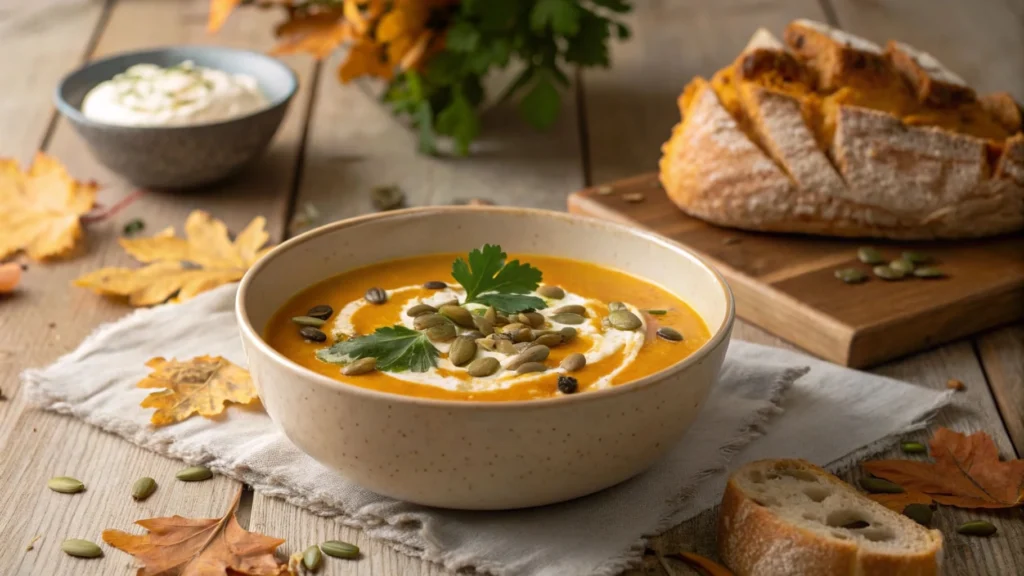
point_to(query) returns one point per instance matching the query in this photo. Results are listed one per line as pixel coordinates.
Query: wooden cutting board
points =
(785, 283)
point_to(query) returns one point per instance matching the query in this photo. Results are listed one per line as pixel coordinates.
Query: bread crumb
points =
(954, 384)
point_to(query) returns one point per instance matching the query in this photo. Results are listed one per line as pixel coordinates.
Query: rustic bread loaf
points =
(790, 517)
(841, 138)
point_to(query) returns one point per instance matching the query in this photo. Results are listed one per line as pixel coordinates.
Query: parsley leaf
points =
(562, 15)
(488, 279)
(541, 104)
(396, 348)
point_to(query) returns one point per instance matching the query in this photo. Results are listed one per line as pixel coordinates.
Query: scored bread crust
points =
(755, 541)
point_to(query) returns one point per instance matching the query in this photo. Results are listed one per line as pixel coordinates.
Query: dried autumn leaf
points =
(181, 267)
(219, 12)
(40, 209)
(897, 502)
(202, 385)
(365, 59)
(704, 565)
(967, 472)
(317, 34)
(10, 276)
(199, 547)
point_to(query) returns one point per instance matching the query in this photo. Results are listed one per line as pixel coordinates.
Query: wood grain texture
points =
(785, 284)
(1002, 357)
(46, 317)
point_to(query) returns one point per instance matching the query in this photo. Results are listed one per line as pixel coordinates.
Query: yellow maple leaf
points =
(219, 12)
(317, 34)
(40, 209)
(202, 385)
(181, 267)
(365, 59)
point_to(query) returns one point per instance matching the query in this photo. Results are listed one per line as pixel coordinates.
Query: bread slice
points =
(931, 82)
(841, 59)
(789, 517)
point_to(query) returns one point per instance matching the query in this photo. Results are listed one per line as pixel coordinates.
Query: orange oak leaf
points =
(897, 502)
(10, 275)
(967, 472)
(704, 565)
(202, 385)
(219, 12)
(178, 546)
(40, 209)
(317, 34)
(181, 267)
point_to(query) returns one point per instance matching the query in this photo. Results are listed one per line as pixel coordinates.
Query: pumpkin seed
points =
(567, 385)
(483, 367)
(568, 318)
(920, 513)
(869, 255)
(312, 334)
(633, 197)
(615, 305)
(463, 351)
(452, 302)
(484, 325)
(500, 320)
(490, 315)
(928, 272)
(520, 346)
(523, 335)
(321, 311)
(624, 320)
(506, 347)
(976, 528)
(536, 319)
(573, 362)
(459, 315)
(387, 197)
(905, 266)
(486, 344)
(656, 312)
(913, 448)
(473, 334)
(340, 549)
(568, 334)
(536, 353)
(194, 474)
(429, 320)
(143, 488)
(553, 292)
(850, 275)
(880, 486)
(435, 285)
(916, 257)
(441, 332)
(308, 321)
(360, 367)
(311, 558)
(512, 327)
(376, 295)
(551, 339)
(670, 334)
(81, 548)
(65, 485)
(420, 310)
(571, 309)
(887, 273)
(530, 367)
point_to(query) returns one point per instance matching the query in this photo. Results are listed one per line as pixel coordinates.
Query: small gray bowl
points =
(179, 157)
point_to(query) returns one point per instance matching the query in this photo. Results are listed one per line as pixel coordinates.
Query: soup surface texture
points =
(613, 355)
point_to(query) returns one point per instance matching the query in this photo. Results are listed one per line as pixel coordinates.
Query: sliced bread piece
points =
(790, 517)
(930, 80)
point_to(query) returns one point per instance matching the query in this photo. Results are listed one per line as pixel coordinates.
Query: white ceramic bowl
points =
(482, 455)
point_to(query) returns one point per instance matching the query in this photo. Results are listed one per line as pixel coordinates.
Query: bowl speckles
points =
(179, 157)
(482, 455)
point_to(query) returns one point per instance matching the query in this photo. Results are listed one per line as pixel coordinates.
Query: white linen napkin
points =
(768, 403)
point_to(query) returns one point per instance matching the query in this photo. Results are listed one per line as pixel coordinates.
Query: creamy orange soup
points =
(618, 357)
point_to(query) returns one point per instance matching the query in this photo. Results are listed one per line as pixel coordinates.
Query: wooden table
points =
(336, 143)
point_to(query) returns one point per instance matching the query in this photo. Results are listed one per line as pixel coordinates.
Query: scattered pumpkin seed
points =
(81, 548)
(441, 332)
(376, 295)
(506, 347)
(458, 314)
(976, 528)
(920, 513)
(905, 266)
(616, 305)
(568, 318)
(913, 448)
(553, 292)
(483, 367)
(321, 311)
(869, 255)
(387, 197)
(954, 384)
(312, 334)
(523, 335)
(880, 486)
(194, 474)
(512, 327)
(360, 367)
(308, 321)
(474, 334)
(656, 312)
(850, 275)
(463, 351)
(452, 302)
(568, 334)
(888, 273)
(486, 344)
(484, 325)
(571, 309)
(65, 485)
(500, 319)
(340, 549)
(429, 320)
(604, 190)
(567, 385)
(490, 315)
(520, 346)
(420, 310)
(929, 272)
(551, 339)
(536, 353)
(573, 362)
(435, 285)
(633, 197)
(670, 334)
(916, 257)
(311, 558)
(536, 319)
(530, 367)
(624, 320)
(143, 488)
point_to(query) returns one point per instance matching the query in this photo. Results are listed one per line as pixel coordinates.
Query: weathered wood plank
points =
(1002, 356)
(47, 317)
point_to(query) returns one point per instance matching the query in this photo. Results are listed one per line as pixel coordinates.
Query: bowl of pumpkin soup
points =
(480, 357)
